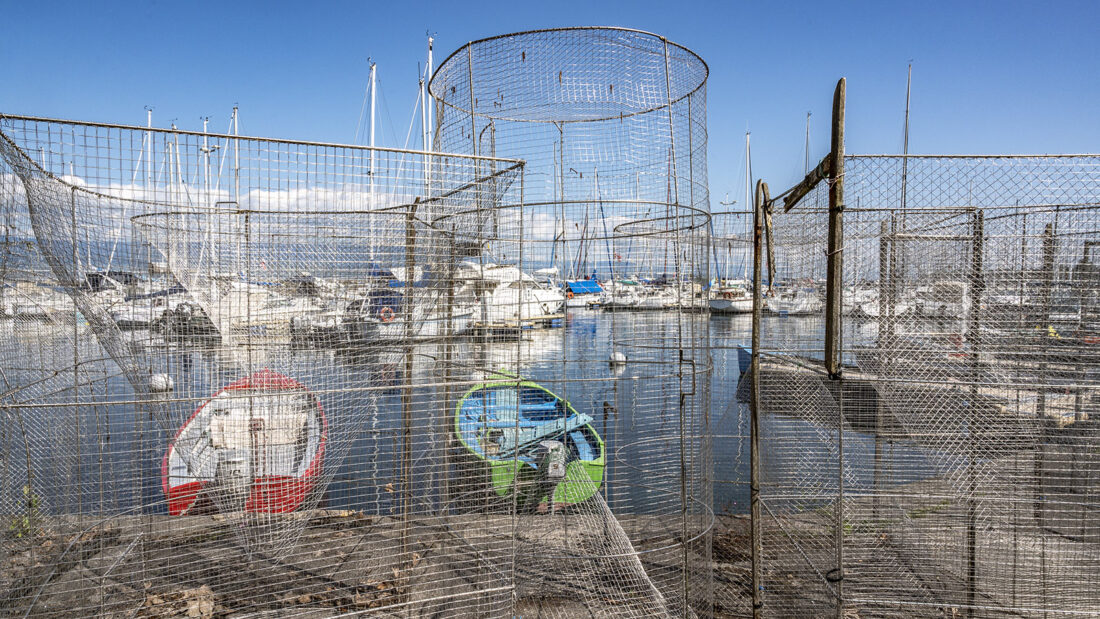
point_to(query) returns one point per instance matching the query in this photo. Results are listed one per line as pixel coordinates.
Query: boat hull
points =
(274, 431)
(731, 306)
(517, 468)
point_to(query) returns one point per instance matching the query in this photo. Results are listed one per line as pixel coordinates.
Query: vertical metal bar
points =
(473, 115)
(671, 127)
(515, 453)
(1046, 294)
(1046, 297)
(977, 286)
(883, 297)
(679, 323)
(754, 404)
(406, 394)
(77, 483)
(449, 440)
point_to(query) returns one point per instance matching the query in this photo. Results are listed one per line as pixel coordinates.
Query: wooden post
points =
(754, 404)
(834, 283)
(835, 265)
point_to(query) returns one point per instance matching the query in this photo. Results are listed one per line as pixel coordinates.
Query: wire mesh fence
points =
(951, 470)
(730, 307)
(216, 395)
(611, 125)
(246, 376)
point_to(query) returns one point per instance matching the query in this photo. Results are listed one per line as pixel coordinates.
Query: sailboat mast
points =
(149, 156)
(427, 80)
(206, 190)
(748, 198)
(236, 159)
(748, 171)
(603, 220)
(205, 160)
(370, 169)
(714, 252)
(905, 143)
(371, 143)
(565, 261)
(237, 168)
(424, 128)
(806, 165)
(179, 184)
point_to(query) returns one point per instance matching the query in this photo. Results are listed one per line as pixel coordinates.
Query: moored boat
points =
(257, 445)
(507, 296)
(506, 424)
(582, 293)
(795, 302)
(731, 300)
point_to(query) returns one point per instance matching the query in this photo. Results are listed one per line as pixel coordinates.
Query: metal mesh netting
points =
(730, 304)
(611, 125)
(249, 376)
(952, 470)
(221, 388)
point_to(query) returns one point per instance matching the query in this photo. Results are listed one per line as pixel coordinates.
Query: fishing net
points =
(250, 375)
(948, 469)
(611, 125)
(194, 347)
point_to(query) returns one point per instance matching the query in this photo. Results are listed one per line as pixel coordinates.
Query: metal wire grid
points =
(611, 125)
(967, 404)
(191, 272)
(730, 333)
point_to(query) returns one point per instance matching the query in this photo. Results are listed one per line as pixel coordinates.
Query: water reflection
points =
(636, 407)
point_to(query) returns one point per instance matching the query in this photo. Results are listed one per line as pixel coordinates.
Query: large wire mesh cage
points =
(951, 469)
(611, 125)
(222, 380)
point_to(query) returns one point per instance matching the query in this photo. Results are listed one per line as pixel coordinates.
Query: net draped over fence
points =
(220, 380)
(611, 125)
(246, 375)
(952, 469)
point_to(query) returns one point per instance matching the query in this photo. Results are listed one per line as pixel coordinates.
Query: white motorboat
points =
(506, 295)
(730, 300)
(582, 293)
(143, 311)
(796, 302)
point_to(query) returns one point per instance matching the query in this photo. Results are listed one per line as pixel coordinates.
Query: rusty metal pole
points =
(754, 404)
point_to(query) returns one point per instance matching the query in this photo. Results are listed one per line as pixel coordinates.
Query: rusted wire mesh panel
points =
(611, 125)
(221, 380)
(968, 399)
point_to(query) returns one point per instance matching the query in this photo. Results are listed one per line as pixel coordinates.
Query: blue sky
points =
(988, 77)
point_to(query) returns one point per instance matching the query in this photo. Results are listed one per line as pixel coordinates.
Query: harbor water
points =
(124, 448)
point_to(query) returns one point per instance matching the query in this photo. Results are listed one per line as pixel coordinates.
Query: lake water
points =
(105, 455)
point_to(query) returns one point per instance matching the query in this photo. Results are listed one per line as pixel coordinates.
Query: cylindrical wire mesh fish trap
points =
(220, 390)
(611, 125)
